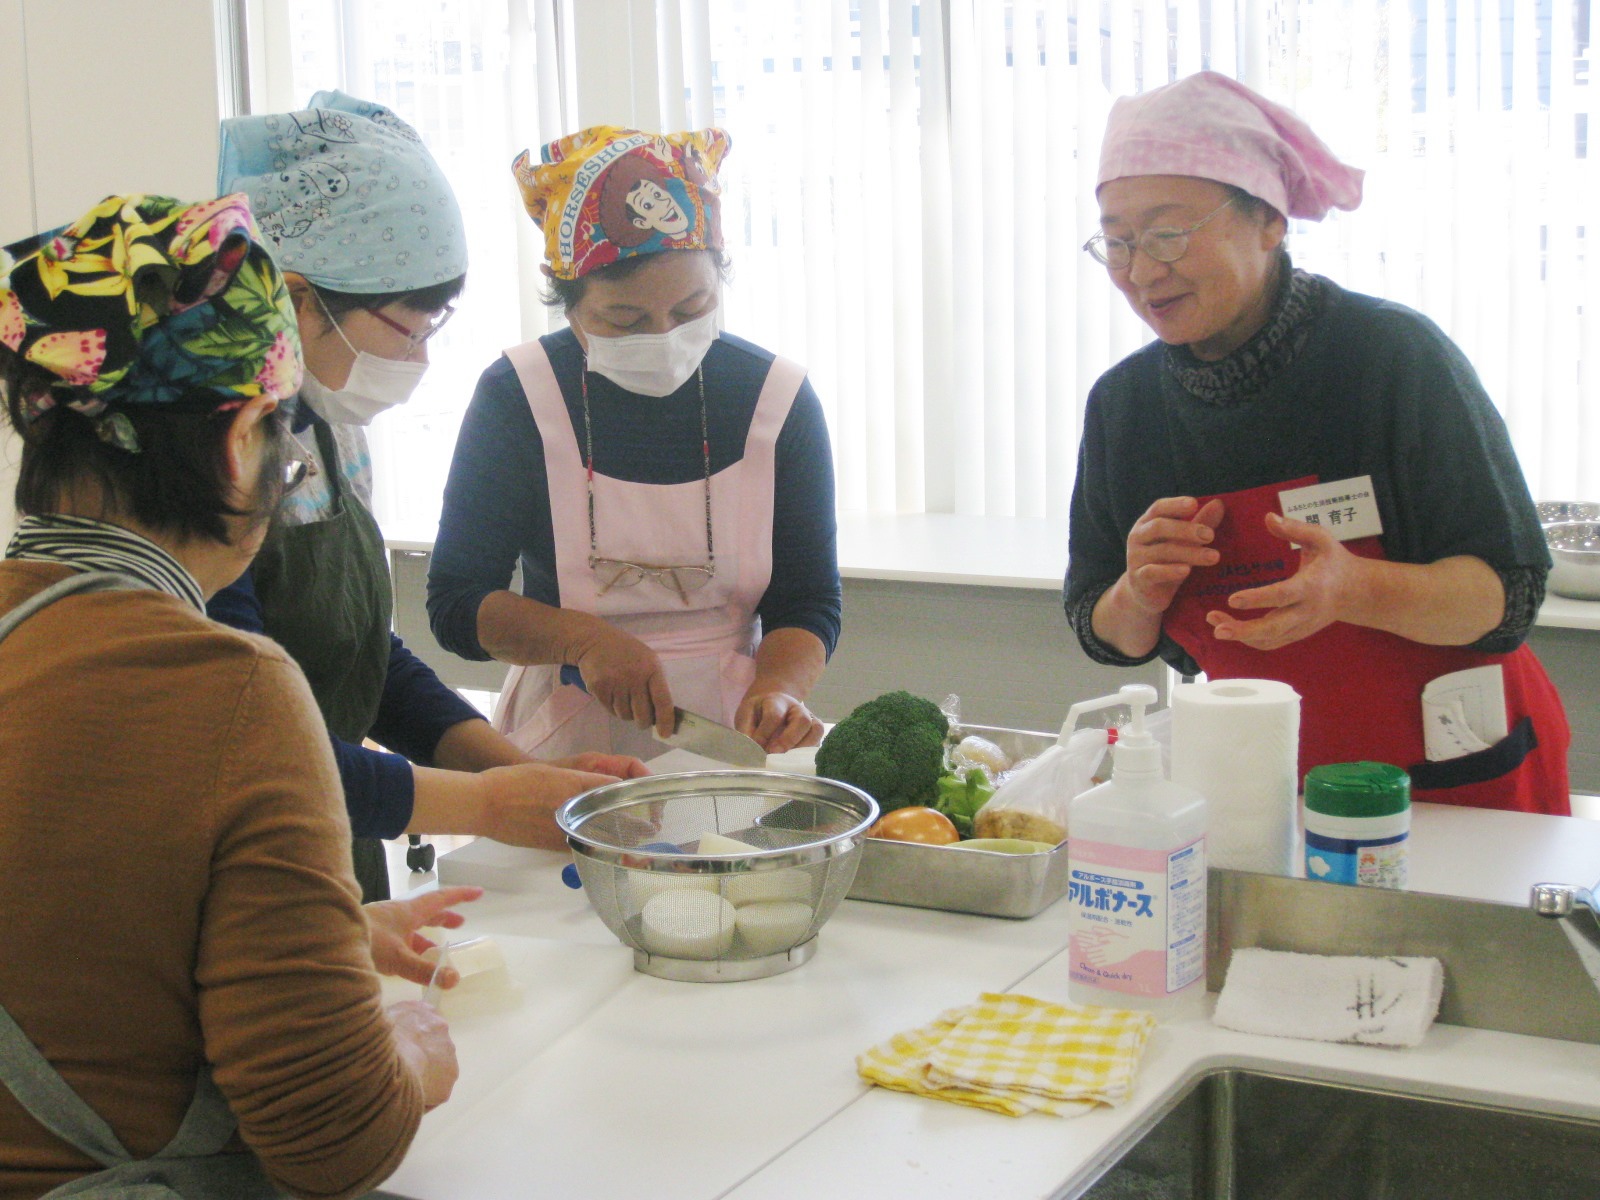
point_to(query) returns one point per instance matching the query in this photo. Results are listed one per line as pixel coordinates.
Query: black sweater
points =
(1376, 389)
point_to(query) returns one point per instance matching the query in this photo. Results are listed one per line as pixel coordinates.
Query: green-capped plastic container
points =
(1358, 824)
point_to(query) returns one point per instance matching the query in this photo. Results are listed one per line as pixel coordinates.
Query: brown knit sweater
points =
(178, 866)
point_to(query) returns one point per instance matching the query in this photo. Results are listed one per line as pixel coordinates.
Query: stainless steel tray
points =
(970, 881)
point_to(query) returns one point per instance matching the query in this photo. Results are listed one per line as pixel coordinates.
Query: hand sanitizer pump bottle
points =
(1136, 855)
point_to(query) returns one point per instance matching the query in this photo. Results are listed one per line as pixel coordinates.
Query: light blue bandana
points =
(347, 194)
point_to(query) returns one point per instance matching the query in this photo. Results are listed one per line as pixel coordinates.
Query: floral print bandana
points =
(146, 300)
(605, 194)
(347, 195)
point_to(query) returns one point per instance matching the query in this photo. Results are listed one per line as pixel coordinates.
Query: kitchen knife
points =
(704, 736)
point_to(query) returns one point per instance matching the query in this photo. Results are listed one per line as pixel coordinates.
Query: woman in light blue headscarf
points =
(371, 242)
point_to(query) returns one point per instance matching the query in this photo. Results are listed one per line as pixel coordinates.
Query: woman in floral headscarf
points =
(1297, 482)
(668, 491)
(192, 961)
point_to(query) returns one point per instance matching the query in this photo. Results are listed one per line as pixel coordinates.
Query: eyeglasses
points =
(1163, 245)
(620, 572)
(414, 339)
(298, 468)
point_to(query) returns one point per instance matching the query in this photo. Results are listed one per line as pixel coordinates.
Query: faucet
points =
(1579, 913)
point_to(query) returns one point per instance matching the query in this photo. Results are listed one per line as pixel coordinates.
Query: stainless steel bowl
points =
(1560, 512)
(1575, 559)
(693, 910)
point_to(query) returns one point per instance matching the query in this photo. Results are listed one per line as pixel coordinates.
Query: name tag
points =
(1346, 508)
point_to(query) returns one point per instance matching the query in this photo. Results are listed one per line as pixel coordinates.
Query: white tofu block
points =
(756, 887)
(769, 887)
(485, 983)
(715, 843)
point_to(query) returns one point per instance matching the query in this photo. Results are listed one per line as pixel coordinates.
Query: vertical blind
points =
(911, 181)
(480, 80)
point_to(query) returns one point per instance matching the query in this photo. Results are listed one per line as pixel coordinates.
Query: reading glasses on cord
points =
(620, 573)
(623, 573)
(1163, 245)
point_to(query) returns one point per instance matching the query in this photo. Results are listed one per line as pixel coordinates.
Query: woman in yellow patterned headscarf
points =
(667, 489)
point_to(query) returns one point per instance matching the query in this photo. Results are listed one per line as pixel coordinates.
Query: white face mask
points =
(653, 364)
(374, 385)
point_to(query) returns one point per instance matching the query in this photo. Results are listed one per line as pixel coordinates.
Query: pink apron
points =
(706, 646)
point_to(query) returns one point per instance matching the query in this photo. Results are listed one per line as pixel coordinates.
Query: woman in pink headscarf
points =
(1297, 482)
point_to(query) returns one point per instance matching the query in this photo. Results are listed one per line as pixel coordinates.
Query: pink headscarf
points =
(1213, 127)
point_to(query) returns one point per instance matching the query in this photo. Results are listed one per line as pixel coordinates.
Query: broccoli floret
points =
(892, 748)
(962, 795)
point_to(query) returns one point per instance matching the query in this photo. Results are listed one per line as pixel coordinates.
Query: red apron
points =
(1361, 689)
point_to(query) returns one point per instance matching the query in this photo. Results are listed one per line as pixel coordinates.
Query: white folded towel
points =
(1326, 998)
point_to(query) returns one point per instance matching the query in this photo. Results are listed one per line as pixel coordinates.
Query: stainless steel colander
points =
(657, 861)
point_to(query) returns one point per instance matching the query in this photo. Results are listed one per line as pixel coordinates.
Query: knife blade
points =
(431, 994)
(702, 735)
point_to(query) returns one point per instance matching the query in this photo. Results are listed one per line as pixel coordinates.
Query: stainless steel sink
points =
(1245, 1135)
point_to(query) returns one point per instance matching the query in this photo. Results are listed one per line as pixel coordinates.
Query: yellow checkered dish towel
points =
(1015, 1055)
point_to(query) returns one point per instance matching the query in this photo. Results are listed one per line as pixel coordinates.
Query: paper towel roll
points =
(1236, 742)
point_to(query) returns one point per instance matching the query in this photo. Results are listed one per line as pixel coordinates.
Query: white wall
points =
(138, 114)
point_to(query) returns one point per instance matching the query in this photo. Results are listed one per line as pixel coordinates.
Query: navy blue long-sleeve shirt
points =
(416, 709)
(497, 504)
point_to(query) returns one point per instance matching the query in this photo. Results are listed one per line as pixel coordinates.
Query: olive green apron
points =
(326, 598)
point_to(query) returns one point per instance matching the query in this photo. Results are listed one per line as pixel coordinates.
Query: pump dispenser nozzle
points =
(1136, 696)
(1135, 751)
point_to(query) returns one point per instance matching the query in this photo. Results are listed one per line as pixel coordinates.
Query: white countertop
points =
(1483, 854)
(608, 1083)
(1563, 613)
(1017, 552)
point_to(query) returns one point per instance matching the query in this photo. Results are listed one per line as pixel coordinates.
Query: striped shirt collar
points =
(88, 544)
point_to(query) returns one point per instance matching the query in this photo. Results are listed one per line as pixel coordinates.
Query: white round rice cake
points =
(771, 928)
(687, 924)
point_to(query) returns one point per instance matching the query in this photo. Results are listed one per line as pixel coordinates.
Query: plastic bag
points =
(972, 766)
(975, 752)
(1031, 801)
(966, 752)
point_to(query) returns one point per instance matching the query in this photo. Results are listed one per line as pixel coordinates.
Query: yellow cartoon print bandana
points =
(605, 194)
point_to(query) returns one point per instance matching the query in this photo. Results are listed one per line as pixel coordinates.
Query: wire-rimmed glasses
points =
(415, 338)
(620, 573)
(1161, 244)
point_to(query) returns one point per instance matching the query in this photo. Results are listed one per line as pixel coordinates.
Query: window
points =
(911, 180)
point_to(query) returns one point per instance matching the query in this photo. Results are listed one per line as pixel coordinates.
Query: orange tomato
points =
(925, 825)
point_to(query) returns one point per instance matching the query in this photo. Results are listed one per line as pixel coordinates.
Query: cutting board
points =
(554, 986)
